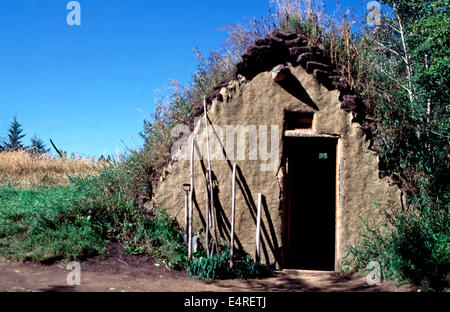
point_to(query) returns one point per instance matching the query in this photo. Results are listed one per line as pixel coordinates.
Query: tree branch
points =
(408, 64)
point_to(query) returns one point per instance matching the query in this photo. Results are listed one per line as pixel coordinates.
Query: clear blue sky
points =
(88, 87)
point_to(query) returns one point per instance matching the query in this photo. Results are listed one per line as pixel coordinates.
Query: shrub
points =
(218, 266)
(165, 240)
(105, 198)
(412, 247)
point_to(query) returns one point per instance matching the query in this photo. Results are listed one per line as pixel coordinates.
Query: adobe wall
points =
(262, 101)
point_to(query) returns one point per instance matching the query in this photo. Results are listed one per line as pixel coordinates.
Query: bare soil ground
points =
(120, 272)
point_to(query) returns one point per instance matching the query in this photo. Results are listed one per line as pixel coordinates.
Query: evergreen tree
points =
(38, 146)
(15, 136)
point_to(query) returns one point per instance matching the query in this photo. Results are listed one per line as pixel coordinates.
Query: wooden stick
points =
(207, 220)
(191, 202)
(122, 261)
(258, 227)
(56, 149)
(213, 217)
(209, 209)
(186, 211)
(233, 200)
(211, 197)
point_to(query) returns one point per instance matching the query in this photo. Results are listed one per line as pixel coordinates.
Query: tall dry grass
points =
(25, 169)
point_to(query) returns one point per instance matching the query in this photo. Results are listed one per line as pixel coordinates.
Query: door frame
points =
(289, 134)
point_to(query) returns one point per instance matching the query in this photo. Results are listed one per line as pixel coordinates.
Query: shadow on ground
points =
(307, 281)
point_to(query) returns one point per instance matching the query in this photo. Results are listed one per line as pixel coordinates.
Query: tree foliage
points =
(38, 146)
(409, 63)
(413, 112)
(15, 136)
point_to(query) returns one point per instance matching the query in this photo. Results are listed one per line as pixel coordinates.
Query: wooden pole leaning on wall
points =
(209, 208)
(191, 202)
(258, 228)
(233, 202)
(211, 196)
(207, 218)
(186, 207)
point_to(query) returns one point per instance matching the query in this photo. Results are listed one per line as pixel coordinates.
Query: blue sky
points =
(89, 87)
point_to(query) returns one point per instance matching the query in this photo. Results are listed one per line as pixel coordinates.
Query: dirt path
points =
(119, 272)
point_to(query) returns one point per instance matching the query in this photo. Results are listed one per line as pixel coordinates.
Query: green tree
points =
(38, 146)
(15, 136)
(410, 65)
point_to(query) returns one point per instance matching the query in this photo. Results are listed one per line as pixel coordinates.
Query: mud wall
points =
(262, 101)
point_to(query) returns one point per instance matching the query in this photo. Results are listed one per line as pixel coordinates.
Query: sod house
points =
(298, 137)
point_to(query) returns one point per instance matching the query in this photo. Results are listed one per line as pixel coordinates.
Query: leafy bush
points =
(166, 240)
(412, 247)
(218, 266)
(105, 198)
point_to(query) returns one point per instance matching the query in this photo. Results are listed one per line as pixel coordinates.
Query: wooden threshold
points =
(307, 134)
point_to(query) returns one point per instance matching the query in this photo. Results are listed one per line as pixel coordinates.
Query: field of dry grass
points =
(23, 169)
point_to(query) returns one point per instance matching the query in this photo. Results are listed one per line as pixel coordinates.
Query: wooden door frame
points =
(286, 198)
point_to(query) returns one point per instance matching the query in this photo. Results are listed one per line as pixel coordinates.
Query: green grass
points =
(34, 225)
(78, 220)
